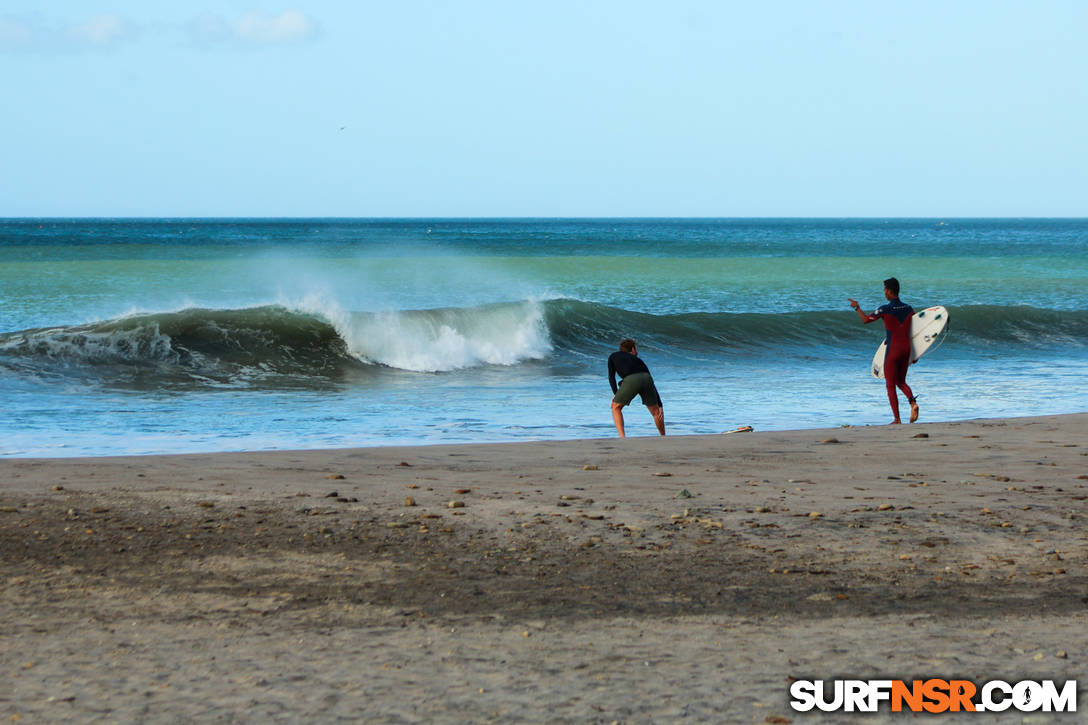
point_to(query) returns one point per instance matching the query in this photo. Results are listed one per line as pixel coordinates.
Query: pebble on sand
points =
(409, 501)
(589, 467)
(335, 476)
(456, 505)
(815, 515)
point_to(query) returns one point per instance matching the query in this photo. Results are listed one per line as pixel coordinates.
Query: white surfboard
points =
(926, 328)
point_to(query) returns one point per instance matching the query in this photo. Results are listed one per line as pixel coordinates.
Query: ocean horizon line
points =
(215, 218)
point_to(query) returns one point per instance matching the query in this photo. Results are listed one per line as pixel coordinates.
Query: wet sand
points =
(684, 579)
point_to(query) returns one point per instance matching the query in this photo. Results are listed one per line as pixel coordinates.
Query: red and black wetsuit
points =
(897, 317)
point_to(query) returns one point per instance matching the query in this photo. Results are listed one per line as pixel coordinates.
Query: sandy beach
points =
(683, 579)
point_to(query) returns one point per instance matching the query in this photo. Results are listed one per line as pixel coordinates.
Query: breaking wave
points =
(276, 344)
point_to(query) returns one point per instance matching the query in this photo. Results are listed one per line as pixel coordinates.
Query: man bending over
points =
(635, 379)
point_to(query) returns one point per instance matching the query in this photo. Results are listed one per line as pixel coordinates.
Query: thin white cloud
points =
(253, 29)
(107, 31)
(291, 26)
(101, 31)
(15, 35)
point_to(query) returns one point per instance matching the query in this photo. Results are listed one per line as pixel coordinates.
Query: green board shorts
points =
(640, 384)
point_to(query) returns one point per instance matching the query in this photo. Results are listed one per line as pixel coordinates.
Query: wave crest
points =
(274, 341)
(448, 339)
(265, 345)
(585, 325)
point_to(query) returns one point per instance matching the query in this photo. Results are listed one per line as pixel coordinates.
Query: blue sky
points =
(413, 108)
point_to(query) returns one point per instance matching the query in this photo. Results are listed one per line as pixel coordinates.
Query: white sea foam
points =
(146, 342)
(442, 339)
(449, 340)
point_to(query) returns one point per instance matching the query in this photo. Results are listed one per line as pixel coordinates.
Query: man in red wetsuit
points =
(897, 317)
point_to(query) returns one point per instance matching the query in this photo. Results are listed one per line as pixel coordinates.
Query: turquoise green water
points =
(133, 336)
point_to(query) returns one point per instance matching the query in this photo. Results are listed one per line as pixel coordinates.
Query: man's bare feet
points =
(913, 412)
(896, 422)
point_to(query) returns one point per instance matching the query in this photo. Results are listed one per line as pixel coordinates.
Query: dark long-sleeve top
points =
(623, 363)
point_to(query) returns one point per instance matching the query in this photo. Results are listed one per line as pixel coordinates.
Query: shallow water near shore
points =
(175, 335)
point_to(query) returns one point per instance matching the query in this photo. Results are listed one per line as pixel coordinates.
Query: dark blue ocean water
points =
(160, 335)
